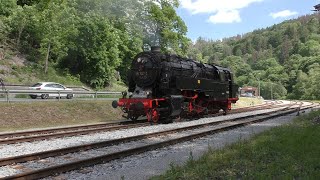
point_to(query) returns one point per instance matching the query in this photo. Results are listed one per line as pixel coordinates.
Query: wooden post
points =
(7, 96)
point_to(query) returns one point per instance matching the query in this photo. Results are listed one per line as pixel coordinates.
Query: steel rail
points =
(58, 152)
(69, 128)
(52, 130)
(62, 151)
(40, 173)
(71, 133)
(81, 130)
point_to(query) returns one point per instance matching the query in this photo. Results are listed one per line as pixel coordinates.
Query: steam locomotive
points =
(165, 86)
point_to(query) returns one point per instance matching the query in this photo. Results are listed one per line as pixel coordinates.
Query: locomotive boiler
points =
(166, 86)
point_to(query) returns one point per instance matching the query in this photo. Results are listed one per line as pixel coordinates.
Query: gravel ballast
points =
(140, 166)
(146, 165)
(45, 145)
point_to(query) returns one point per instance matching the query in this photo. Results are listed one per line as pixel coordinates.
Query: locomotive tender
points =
(165, 86)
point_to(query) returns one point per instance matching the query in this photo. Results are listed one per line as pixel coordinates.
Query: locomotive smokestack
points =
(155, 49)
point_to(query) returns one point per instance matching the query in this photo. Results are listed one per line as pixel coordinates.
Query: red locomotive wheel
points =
(153, 116)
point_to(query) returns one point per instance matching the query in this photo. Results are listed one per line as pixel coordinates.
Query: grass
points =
(247, 101)
(109, 96)
(24, 115)
(36, 74)
(17, 70)
(287, 152)
(22, 96)
(118, 86)
(33, 73)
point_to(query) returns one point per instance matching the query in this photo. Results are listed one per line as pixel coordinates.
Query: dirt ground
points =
(28, 115)
(23, 115)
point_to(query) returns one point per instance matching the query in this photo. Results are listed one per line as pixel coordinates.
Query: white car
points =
(50, 86)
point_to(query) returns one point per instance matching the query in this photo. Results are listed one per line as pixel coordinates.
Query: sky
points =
(217, 19)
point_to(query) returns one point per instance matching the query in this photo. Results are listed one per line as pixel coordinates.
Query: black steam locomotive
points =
(164, 86)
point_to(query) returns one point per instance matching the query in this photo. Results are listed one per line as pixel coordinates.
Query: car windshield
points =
(37, 85)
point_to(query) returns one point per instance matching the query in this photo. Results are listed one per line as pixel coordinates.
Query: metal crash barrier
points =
(7, 93)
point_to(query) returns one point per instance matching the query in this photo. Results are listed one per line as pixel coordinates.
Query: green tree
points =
(27, 2)
(96, 54)
(24, 32)
(168, 29)
(300, 87)
(282, 54)
(312, 84)
(54, 30)
(237, 65)
(7, 7)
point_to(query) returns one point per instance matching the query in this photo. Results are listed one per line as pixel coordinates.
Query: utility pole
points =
(259, 87)
(271, 90)
(258, 78)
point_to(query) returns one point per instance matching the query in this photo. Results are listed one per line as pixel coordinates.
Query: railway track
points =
(62, 129)
(11, 138)
(46, 154)
(191, 132)
(44, 134)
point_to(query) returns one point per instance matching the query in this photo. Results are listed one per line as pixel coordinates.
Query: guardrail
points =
(25, 87)
(28, 92)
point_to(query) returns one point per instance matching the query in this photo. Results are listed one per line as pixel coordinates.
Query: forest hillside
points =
(284, 58)
(87, 41)
(93, 42)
